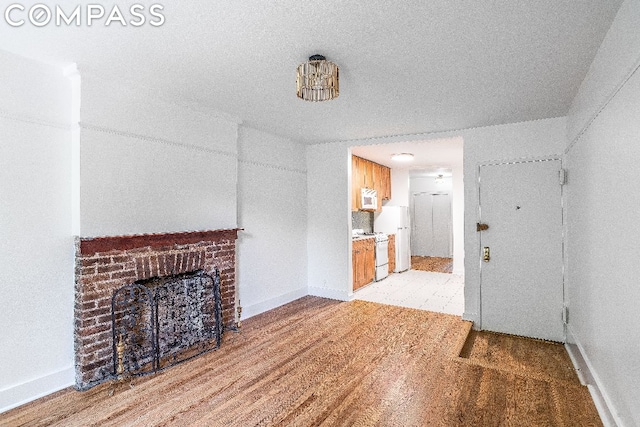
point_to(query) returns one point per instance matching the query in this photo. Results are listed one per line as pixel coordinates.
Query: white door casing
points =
(521, 285)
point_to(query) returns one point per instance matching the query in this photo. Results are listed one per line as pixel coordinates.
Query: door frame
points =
(563, 228)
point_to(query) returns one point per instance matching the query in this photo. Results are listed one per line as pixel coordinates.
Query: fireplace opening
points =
(161, 321)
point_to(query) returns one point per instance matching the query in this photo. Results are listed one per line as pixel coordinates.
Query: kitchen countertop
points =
(362, 237)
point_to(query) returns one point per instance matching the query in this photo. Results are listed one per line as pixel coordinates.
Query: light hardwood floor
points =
(320, 362)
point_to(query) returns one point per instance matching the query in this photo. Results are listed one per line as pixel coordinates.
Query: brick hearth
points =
(104, 264)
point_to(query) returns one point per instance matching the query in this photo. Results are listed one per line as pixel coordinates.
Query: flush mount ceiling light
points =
(317, 79)
(402, 157)
(439, 179)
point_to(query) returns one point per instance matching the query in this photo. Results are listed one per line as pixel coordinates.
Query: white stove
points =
(382, 255)
(380, 237)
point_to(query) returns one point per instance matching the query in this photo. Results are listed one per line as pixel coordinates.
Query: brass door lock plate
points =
(486, 255)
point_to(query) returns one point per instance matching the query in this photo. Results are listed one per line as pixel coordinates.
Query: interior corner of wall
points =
(335, 294)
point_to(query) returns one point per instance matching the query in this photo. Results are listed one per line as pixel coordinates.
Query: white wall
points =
(149, 166)
(272, 209)
(399, 188)
(329, 220)
(419, 184)
(329, 242)
(36, 254)
(603, 228)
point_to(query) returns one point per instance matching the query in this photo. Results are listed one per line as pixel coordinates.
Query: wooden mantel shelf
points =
(94, 245)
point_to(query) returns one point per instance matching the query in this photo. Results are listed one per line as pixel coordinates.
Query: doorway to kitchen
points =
(426, 197)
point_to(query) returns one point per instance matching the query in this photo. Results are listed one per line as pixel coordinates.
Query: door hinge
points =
(481, 227)
(565, 315)
(562, 176)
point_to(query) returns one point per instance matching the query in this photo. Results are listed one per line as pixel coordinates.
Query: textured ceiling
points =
(406, 67)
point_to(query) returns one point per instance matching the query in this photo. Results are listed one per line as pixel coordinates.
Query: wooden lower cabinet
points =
(364, 262)
(392, 253)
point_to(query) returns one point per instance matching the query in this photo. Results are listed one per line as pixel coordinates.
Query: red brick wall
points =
(105, 264)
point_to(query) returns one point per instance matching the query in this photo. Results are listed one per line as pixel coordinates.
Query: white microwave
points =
(368, 199)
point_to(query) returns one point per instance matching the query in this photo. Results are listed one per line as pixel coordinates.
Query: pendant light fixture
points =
(317, 79)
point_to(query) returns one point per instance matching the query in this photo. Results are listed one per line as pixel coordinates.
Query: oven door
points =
(382, 260)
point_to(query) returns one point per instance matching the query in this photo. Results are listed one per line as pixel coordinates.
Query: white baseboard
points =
(270, 304)
(16, 395)
(589, 377)
(331, 294)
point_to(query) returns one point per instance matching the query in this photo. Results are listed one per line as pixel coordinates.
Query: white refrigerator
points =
(395, 220)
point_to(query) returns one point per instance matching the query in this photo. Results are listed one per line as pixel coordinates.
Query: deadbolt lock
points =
(486, 255)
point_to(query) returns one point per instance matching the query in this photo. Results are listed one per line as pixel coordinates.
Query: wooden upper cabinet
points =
(355, 183)
(365, 173)
(385, 180)
(368, 173)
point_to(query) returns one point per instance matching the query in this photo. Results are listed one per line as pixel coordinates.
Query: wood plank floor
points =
(430, 263)
(525, 356)
(318, 362)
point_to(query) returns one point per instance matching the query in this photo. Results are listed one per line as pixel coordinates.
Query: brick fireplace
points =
(105, 264)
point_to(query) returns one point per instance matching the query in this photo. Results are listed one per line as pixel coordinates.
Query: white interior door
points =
(431, 231)
(422, 230)
(441, 223)
(521, 284)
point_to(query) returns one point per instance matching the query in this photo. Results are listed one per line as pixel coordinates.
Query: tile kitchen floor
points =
(440, 292)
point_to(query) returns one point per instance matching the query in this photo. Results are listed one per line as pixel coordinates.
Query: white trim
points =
(434, 134)
(109, 130)
(28, 391)
(477, 323)
(270, 304)
(21, 117)
(498, 162)
(271, 166)
(589, 377)
(606, 103)
(337, 294)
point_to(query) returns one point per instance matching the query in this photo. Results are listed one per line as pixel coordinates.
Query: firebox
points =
(162, 321)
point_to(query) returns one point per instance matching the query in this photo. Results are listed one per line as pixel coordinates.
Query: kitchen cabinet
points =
(369, 170)
(364, 262)
(355, 183)
(385, 183)
(392, 253)
(368, 174)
